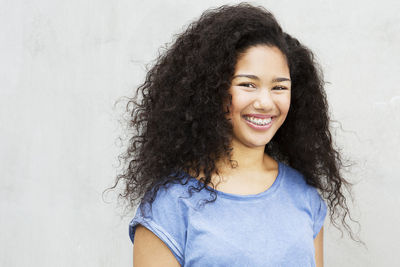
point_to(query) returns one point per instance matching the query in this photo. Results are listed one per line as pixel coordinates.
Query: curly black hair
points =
(179, 123)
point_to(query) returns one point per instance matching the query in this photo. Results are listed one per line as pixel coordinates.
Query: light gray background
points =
(64, 63)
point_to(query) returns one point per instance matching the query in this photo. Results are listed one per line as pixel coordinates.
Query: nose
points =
(264, 100)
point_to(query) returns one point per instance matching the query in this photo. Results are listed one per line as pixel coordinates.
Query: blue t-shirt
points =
(274, 228)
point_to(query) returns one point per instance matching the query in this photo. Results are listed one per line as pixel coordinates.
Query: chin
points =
(258, 143)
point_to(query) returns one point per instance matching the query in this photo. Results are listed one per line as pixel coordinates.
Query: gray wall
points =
(63, 65)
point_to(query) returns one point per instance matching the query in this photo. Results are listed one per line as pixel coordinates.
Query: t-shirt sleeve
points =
(319, 210)
(166, 220)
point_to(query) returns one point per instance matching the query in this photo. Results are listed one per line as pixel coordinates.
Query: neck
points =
(246, 160)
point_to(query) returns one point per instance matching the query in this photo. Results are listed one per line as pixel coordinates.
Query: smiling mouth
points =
(258, 121)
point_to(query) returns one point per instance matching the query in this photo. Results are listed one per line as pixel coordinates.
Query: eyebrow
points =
(254, 77)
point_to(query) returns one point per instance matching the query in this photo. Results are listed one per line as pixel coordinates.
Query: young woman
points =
(232, 144)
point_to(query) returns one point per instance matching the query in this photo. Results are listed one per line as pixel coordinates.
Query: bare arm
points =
(319, 248)
(150, 251)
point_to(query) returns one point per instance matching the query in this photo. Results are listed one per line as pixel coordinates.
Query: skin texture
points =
(319, 248)
(254, 91)
(258, 93)
(150, 251)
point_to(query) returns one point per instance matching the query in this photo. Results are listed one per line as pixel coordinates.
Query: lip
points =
(260, 116)
(260, 127)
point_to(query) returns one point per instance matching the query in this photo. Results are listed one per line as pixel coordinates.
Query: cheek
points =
(238, 103)
(284, 104)
(287, 106)
(235, 107)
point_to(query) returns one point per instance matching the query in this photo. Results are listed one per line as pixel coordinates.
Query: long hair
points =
(180, 123)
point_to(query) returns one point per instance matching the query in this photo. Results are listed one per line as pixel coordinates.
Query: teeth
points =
(258, 121)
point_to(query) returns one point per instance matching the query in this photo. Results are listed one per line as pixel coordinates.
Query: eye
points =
(279, 88)
(250, 85)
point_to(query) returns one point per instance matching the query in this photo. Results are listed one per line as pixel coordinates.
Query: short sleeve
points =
(166, 220)
(319, 210)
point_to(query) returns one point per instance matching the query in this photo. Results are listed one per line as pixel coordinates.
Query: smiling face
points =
(260, 92)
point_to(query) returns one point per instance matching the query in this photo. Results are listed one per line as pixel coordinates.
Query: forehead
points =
(262, 60)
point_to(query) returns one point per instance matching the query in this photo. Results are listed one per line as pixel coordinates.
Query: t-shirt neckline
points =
(269, 191)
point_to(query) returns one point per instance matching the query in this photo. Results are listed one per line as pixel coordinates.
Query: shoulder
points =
(304, 195)
(293, 179)
(146, 244)
(177, 196)
(295, 182)
(166, 217)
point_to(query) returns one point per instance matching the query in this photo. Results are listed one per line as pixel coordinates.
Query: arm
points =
(150, 251)
(319, 248)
